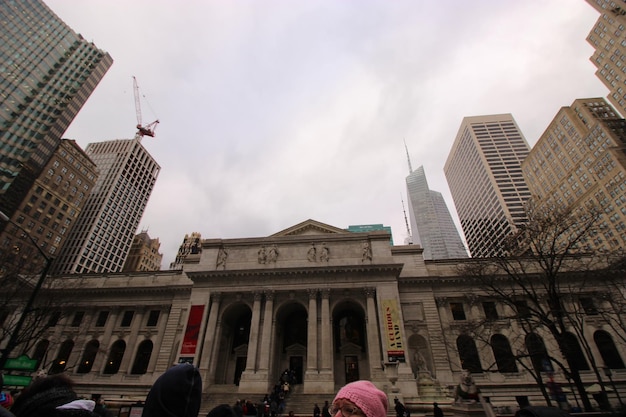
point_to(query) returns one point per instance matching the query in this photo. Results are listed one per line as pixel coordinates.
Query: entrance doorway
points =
(352, 369)
(240, 366)
(295, 365)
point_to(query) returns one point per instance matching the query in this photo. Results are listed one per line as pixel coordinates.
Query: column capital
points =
(258, 295)
(441, 301)
(216, 296)
(325, 293)
(312, 293)
(269, 295)
(370, 292)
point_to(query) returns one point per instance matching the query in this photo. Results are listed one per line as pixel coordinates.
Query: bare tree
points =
(551, 262)
(19, 276)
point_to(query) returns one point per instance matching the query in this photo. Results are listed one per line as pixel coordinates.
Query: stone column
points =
(210, 336)
(105, 342)
(327, 331)
(373, 335)
(214, 353)
(250, 382)
(129, 354)
(311, 352)
(266, 336)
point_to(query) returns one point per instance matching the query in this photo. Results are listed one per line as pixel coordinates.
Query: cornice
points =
(362, 270)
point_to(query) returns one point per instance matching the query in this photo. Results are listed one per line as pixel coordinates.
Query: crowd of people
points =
(178, 393)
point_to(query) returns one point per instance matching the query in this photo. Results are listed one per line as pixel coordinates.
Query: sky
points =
(273, 112)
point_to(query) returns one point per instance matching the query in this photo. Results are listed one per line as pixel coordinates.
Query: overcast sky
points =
(274, 112)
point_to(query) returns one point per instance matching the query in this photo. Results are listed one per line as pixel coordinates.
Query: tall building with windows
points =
(51, 205)
(432, 226)
(104, 231)
(608, 37)
(484, 174)
(144, 254)
(47, 73)
(579, 163)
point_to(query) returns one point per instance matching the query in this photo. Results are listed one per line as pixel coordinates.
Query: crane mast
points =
(147, 130)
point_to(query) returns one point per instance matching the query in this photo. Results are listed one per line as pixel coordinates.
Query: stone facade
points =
(334, 306)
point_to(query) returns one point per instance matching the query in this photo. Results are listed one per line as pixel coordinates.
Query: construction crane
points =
(147, 130)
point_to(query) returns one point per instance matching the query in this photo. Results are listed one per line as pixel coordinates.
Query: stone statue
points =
(367, 252)
(272, 255)
(222, 256)
(312, 253)
(325, 255)
(262, 255)
(466, 391)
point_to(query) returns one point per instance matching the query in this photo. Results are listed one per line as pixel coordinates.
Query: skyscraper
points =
(608, 37)
(47, 72)
(579, 163)
(432, 226)
(484, 174)
(103, 233)
(144, 254)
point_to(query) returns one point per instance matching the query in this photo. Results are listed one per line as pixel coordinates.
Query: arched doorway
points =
(233, 344)
(349, 342)
(291, 341)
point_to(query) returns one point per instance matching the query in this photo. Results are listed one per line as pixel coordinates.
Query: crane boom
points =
(147, 130)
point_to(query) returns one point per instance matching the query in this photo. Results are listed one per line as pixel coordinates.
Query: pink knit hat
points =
(366, 396)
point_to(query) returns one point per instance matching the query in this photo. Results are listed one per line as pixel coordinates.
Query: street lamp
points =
(13, 340)
(609, 374)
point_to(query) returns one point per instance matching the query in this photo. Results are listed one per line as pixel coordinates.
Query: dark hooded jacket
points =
(176, 393)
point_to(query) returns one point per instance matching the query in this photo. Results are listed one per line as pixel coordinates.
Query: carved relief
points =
(366, 251)
(222, 256)
(324, 253)
(311, 254)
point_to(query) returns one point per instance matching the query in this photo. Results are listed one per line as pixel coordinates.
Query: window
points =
(522, 309)
(608, 351)
(537, 351)
(490, 310)
(144, 351)
(115, 357)
(102, 318)
(153, 318)
(78, 318)
(89, 356)
(468, 354)
(127, 319)
(60, 362)
(574, 353)
(503, 354)
(589, 306)
(40, 351)
(53, 320)
(457, 311)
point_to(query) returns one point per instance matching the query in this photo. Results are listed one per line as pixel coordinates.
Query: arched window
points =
(115, 357)
(574, 353)
(89, 356)
(537, 351)
(60, 362)
(39, 354)
(468, 354)
(144, 351)
(503, 354)
(608, 351)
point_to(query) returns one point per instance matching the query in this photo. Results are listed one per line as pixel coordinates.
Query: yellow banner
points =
(393, 331)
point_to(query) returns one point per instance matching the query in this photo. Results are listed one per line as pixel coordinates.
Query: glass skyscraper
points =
(47, 73)
(432, 226)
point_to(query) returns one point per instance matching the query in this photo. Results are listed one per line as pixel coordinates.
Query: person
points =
(52, 396)
(437, 412)
(399, 407)
(222, 410)
(176, 393)
(100, 407)
(316, 411)
(360, 398)
(326, 410)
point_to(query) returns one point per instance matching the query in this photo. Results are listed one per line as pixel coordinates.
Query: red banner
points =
(190, 342)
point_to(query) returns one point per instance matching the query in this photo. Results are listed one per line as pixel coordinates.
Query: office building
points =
(608, 38)
(144, 254)
(484, 174)
(579, 163)
(47, 72)
(52, 204)
(101, 239)
(432, 226)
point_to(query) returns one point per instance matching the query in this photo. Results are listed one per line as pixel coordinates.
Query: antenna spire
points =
(408, 158)
(409, 238)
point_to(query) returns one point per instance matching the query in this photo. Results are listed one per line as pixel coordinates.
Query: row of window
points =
(103, 316)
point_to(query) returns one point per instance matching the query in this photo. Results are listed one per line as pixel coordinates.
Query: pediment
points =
(309, 227)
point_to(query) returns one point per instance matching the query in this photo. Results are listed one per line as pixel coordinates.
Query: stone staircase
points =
(301, 404)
